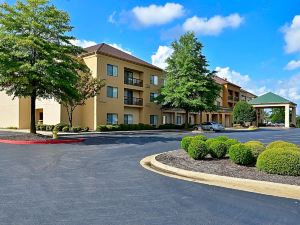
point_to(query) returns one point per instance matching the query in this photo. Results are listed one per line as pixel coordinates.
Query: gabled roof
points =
(105, 49)
(223, 81)
(270, 98)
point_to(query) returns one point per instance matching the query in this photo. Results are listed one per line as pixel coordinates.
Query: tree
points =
(189, 82)
(243, 112)
(37, 59)
(87, 87)
(298, 121)
(277, 115)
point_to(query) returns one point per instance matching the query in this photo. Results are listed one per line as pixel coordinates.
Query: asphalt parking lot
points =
(101, 182)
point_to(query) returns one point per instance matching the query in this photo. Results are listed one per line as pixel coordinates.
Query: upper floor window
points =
(112, 92)
(112, 70)
(218, 103)
(154, 79)
(112, 118)
(153, 96)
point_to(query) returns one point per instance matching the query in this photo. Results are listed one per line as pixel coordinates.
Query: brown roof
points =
(243, 90)
(223, 81)
(105, 49)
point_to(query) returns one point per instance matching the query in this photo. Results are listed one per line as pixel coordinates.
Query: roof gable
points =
(269, 98)
(108, 50)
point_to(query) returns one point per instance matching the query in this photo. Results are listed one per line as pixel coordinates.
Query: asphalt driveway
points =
(101, 182)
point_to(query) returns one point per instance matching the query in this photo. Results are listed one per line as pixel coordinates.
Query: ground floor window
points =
(178, 120)
(153, 119)
(128, 119)
(112, 118)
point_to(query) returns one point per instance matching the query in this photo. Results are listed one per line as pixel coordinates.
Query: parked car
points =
(211, 126)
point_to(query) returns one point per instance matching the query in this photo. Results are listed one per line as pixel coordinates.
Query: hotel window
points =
(153, 119)
(153, 96)
(154, 79)
(112, 118)
(178, 120)
(112, 92)
(218, 103)
(112, 70)
(128, 119)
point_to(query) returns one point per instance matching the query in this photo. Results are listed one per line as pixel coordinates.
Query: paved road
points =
(100, 182)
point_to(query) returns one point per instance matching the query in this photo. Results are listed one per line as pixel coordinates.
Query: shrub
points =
(185, 142)
(255, 142)
(86, 129)
(281, 144)
(42, 127)
(75, 129)
(49, 127)
(231, 142)
(218, 149)
(222, 138)
(60, 126)
(280, 161)
(171, 126)
(241, 154)
(209, 141)
(200, 137)
(65, 129)
(256, 148)
(198, 149)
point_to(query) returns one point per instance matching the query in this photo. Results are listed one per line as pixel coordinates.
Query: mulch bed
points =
(26, 137)
(224, 167)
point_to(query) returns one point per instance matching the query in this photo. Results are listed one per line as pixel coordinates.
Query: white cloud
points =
(292, 35)
(156, 14)
(83, 43)
(233, 76)
(159, 58)
(212, 26)
(119, 46)
(293, 65)
(111, 17)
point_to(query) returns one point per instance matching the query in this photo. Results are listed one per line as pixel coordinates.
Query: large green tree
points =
(37, 59)
(189, 82)
(277, 115)
(243, 112)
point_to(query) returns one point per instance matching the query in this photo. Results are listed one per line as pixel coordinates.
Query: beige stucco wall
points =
(9, 113)
(51, 111)
(24, 113)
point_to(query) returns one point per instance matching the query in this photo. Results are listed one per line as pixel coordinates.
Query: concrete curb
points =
(261, 187)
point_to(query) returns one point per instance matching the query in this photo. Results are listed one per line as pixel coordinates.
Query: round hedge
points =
(256, 148)
(231, 142)
(222, 138)
(210, 140)
(282, 161)
(185, 142)
(200, 137)
(241, 154)
(218, 149)
(281, 144)
(255, 142)
(198, 149)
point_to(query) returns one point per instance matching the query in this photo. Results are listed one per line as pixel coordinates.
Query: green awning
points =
(269, 98)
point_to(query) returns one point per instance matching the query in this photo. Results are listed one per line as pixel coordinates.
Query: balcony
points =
(230, 97)
(133, 101)
(133, 81)
(236, 99)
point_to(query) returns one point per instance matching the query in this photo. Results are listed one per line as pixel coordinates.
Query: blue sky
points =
(253, 43)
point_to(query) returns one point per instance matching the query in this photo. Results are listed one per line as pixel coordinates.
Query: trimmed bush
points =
(200, 137)
(256, 148)
(209, 141)
(60, 126)
(281, 144)
(282, 161)
(171, 126)
(241, 154)
(198, 149)
(86, 129)
(75, 129)
(65, 129)
(185, 142)
(222, 138)
(255, 142)
(125, 127)
(49, 127)
(231, 142)
(218, 149)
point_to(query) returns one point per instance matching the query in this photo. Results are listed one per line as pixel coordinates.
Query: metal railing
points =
(134, 82)
(133, 101)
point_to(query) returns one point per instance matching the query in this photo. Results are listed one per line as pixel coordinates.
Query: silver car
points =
(212, 126)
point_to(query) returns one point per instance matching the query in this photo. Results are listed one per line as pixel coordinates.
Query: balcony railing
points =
(230, 97)
(236, 99)
(133, 101)
(134, 82)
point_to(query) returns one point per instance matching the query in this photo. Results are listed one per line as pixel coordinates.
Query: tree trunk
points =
(70, 115)
(186, 126)
(32, 113)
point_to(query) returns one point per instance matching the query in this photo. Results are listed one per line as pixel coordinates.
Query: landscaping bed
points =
(20, 138)
(224, 167)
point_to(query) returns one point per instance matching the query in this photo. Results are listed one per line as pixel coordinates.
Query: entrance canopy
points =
(271, 100)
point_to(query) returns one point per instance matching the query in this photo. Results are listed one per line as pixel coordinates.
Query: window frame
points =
(114, 69)
(153, 96)
(127, 121)
(113, 92)
(154, 79)
(113, 121)
(155, 117)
